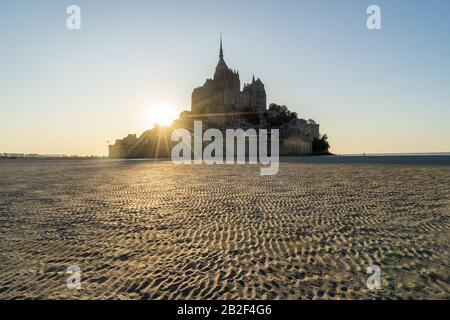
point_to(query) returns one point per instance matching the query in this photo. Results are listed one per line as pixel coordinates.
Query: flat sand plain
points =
(155, 230)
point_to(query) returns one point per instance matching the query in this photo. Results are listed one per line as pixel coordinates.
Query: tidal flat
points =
(155, 230)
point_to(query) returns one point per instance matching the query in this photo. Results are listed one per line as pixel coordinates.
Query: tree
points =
(250, 116)
(282, 114)
(321, 145)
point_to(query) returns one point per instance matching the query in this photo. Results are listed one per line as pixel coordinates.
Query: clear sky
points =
(70, 92)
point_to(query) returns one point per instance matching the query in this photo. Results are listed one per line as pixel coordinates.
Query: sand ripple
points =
(153, 230)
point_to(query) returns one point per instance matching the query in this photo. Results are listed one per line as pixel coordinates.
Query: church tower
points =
(219, 96)
(222, 72)
(220, 100)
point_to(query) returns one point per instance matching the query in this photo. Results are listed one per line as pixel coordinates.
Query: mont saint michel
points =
(220, 103)
(361, 215)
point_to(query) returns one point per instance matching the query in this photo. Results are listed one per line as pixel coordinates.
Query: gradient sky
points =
(70, 92)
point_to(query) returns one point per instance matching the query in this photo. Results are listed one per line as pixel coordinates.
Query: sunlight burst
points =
(162, 114)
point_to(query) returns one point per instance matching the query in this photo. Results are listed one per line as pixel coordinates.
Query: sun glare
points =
(161, 114)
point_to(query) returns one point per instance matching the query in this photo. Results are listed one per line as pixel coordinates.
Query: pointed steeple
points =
(253, 79)
(221, 68)
(221, 49)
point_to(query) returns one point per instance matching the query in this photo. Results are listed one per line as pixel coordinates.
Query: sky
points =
(74, 91)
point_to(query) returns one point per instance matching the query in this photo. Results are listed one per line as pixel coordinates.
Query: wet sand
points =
(154, 230)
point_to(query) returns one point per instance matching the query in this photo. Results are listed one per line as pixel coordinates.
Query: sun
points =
(161, 114)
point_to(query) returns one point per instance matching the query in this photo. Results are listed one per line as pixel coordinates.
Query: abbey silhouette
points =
(220, 103)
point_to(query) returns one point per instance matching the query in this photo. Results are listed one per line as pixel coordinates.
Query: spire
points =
(253, 80)
(221, 68)
(221, 49)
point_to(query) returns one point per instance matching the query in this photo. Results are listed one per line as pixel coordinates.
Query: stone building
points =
(220, 103)
(123, 147)
(154, 143)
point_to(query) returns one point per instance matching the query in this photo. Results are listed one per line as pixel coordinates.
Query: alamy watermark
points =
(374, 20)
(74, 280)
(236, 151)
(374, 280)
(73, 21)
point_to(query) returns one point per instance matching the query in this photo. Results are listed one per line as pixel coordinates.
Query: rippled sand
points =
(153, 230)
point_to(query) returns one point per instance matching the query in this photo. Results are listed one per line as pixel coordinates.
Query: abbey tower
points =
(221, 101)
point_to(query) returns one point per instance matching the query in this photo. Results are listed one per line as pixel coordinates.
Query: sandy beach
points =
(155, 230)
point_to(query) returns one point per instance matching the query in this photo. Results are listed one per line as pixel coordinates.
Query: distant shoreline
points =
(64, 157)
(369, 159)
